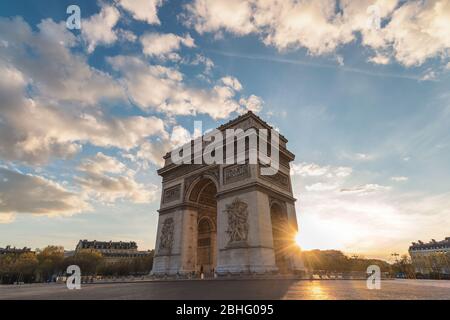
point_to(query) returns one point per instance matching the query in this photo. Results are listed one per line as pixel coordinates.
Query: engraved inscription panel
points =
(236, 173)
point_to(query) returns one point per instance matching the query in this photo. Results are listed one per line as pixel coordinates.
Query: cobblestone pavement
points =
(236, 289)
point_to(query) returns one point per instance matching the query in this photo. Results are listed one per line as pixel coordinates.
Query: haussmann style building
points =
(431, 257)
(112, 251)
(228, 218)
(14, 251)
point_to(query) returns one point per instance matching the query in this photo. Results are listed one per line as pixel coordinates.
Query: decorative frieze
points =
(280, 179)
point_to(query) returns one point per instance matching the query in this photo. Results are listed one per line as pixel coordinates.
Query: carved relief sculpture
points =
(166, 238)
(237, 213)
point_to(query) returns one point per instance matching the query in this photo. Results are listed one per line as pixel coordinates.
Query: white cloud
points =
(320, 186)
(126, 35)
(163, 89)
(207, 62)
(308, 169)
(343, 172)
(365, 189)
(429, 75)
(6, 218)
(98, 28)
(180, 136)
(232, 82)
(286, 24)
(164, 45)
(52, 111)
(411, 33)
(66, 76)
(379, 59)
(358, 156)
(153, 152)
(102, 163)
(363, 156)
(418, 30)
(399, 179)
(108, 180)
(252, 103)
(314, 170)
(215, 15)
(144, 10)
(26, 193)
(33, 130)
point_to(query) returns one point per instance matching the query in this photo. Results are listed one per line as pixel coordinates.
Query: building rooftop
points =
(245, 116)
(14, 250)
(241, 118)
(433, 244)
(86, 244)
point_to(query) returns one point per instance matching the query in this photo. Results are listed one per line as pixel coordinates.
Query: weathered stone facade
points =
(227, 218)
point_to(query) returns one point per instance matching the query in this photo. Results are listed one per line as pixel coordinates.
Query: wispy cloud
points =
(399, 179)
(311, 64)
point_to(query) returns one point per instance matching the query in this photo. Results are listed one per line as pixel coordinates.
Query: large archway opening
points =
(281, 237)
(204, 195)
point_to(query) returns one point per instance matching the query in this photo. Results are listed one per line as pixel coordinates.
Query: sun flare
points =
(298, 239)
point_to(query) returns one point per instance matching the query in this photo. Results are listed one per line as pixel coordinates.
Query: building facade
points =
(431, 257)
(113, 251)
(227, 218)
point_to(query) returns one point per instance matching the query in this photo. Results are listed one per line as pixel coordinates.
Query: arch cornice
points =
(211, 222)
(191, 182)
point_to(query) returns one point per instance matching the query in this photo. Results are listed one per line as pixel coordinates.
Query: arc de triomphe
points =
(227, 218)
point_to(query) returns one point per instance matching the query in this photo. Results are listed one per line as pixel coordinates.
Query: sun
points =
(298, 239)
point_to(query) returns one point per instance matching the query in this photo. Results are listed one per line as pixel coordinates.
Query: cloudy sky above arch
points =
(85, 115)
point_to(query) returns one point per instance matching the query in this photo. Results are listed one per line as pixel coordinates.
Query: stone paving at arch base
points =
(272, 289)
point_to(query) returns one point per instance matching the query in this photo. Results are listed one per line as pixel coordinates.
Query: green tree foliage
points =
(434, 265)
(135, 266)
(88, 260)
(403, 266)
(50, 262)
(18, 268)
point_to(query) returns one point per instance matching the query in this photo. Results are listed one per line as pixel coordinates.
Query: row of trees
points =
(46, 264)
(435, 265)
(336, 261)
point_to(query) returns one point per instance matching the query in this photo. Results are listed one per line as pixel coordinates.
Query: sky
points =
(86, 114)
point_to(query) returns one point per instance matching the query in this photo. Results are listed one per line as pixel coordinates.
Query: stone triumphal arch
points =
(227, 218)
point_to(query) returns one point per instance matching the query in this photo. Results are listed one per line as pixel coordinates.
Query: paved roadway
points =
(235, 289)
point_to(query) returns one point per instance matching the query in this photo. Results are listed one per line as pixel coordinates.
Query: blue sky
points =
(86, 114)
